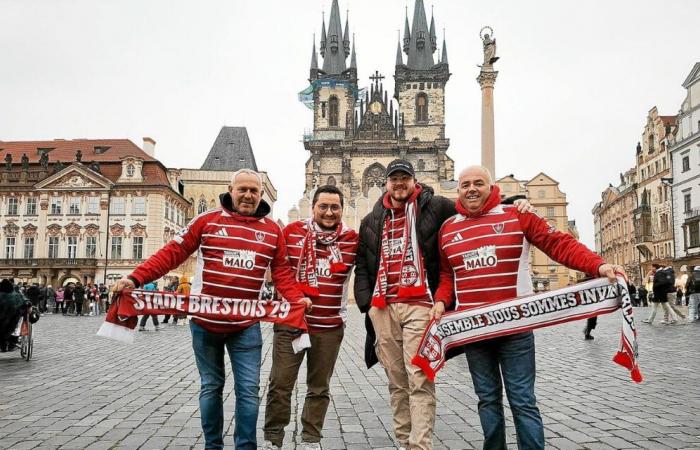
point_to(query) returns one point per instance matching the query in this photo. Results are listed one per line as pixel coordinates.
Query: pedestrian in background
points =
(154, 317)
(170, 287)
(692, 289)
(79, 298)
(643, 296)
(663, 284)
(59, 302)
(68, 299)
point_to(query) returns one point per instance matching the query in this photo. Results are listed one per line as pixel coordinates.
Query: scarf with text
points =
(584, 300)
(120, 322)
(306, 269)
(412, 280)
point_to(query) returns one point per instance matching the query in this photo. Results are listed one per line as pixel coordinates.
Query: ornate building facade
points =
(652, 216)
(685, 153)
(83, 210)
(356, 135)
(550, 202)
(614, 215)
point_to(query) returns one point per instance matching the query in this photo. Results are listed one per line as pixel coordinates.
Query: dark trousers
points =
(78, 307)
(591, 324)
(320, 362)
(144, 319)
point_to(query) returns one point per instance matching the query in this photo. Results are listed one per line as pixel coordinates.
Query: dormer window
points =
(130, 169)
(420, 39)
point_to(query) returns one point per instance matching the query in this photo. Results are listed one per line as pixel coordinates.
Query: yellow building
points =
(544, 194)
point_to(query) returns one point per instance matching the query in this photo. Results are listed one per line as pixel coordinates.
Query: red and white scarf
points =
(412, 281)
(306, 269)
(120, 322)
(584, 300)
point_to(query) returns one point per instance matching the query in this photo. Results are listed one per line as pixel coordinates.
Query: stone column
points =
(487, 79)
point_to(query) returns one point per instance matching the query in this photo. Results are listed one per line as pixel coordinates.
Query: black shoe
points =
(588, 337)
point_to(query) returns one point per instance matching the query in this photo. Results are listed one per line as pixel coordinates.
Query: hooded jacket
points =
(233, 253)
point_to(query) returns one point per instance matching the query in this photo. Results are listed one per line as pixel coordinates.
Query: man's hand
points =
(306, 301)
(437, 310)
(524, 206)
(610, 271)
(124, 283)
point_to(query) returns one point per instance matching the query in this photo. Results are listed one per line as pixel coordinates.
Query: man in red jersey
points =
(322, 249)
(484, 254)
(236, 244)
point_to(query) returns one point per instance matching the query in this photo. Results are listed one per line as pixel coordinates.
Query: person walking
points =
(663, 284)
(154, 317)
(59, 302)
(692, 289)
(643, 296)
(236, 244)
(79, 298)
(323, 250)
(183, 288)
(486, 239)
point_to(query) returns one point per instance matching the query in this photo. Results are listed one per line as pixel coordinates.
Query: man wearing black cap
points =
(397, 271)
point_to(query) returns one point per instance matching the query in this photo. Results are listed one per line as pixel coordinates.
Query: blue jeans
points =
(244, 349)
(506, 361)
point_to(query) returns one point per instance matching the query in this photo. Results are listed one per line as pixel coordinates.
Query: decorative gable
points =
(131, 170)
(74, 177)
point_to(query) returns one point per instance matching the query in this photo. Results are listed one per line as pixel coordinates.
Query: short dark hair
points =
(327, 189)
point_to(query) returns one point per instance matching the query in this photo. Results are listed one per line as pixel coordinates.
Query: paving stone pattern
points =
(81, 391)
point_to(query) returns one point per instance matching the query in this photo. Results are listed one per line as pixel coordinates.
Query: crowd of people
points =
(73, 298)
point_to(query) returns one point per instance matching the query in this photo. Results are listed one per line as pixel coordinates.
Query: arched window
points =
(333, 111)
(202, 207)
(421, 164)
(421, 108)
(331, 181)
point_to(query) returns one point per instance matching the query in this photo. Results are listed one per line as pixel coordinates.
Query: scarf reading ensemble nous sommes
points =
(584, 300)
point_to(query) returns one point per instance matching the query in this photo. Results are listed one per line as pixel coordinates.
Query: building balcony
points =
(47, 263)
(644, 209)
(692, 214)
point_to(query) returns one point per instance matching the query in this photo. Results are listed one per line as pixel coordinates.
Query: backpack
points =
(695, 281)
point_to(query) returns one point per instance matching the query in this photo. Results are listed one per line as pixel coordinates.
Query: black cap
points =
(400, 165)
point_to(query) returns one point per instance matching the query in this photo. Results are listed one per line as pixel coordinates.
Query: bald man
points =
(484, 258)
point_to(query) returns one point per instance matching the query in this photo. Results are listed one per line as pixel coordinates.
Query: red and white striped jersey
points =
(487, 258)
(330, 307)
(234, 252)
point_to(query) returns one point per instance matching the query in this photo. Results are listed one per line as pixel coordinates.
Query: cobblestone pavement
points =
(81, 391)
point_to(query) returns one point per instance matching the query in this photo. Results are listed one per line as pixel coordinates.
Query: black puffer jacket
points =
(433, 211)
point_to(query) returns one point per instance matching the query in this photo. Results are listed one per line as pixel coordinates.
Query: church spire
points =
(323, 35)
(314, 60)
(353, 58)
(399, 56)
(406, 34)
(433, 36)
(334, 59)
(346, 34)
(420, 55)
(443, 60)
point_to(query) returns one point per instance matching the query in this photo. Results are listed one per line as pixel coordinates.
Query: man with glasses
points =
(322, 249)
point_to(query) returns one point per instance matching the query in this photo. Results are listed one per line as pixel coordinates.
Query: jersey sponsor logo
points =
(498, 227)
(259, 236)
(396, 246)
(239, 259)
(480, 258)
(323, 267)
(409, 274)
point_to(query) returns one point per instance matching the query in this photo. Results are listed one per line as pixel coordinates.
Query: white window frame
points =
(29, 245)
(93, 204)
(53, 247)
(74, 206)
(56, 206)
(117, 206)
(138, 206)
(137, 247)
(10, 246)
(12, 206)
(90, 246)
(30, 209)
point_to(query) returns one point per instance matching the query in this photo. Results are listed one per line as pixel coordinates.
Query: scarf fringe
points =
(625, 361)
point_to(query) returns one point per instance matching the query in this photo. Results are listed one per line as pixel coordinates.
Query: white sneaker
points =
(310, 446)
(267, 445)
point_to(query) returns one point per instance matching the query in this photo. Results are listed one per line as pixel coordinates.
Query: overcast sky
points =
(576, 78)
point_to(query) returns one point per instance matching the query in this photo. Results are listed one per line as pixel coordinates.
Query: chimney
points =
(149, 146)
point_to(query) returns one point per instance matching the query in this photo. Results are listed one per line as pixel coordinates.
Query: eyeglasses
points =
(324, 207)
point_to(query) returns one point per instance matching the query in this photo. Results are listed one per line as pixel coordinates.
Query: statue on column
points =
(489, 46)
(78, 155)
(25, 162)
(8, 162)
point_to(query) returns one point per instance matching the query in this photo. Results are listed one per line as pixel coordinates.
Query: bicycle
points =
(26, 333)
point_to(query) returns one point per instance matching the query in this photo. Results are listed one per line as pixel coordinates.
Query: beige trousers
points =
(399, 328)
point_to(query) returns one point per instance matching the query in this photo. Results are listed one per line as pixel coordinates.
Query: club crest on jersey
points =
(239, 259)
(409, 274)
(260, 236)
(498, 227)
(480, 258)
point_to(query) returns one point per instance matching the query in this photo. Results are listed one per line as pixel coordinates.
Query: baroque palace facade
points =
(83, 210)
(355, 134)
